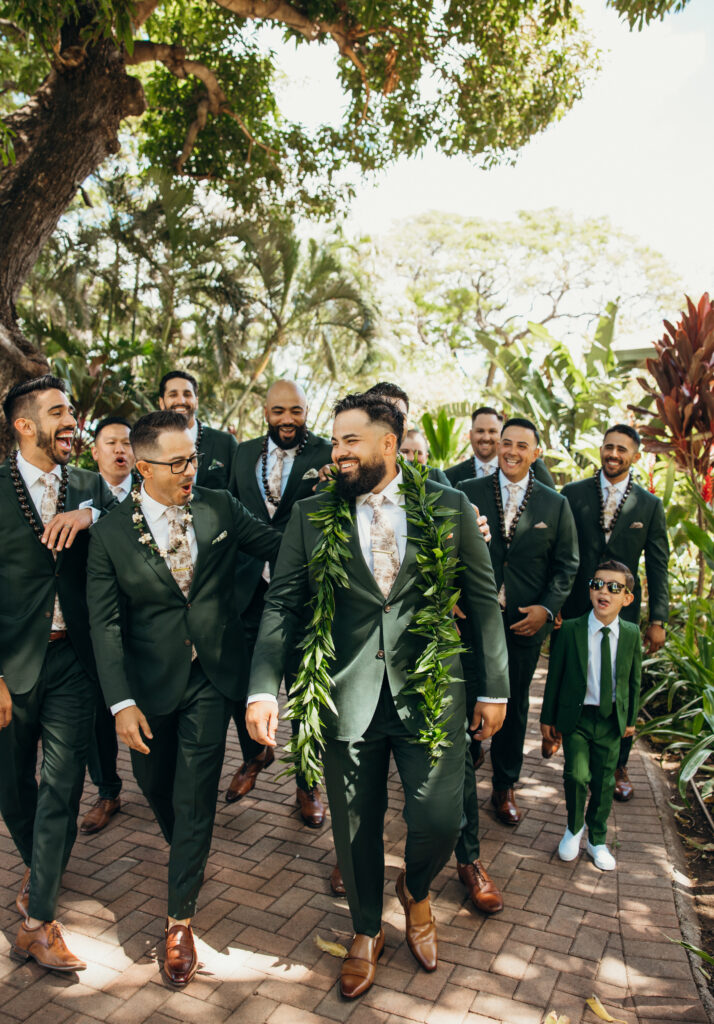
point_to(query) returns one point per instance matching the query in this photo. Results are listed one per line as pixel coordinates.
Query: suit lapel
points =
(357, 566)
(300, 464)
(15, 504)
(622, 659)
(202, 529)
(155, 561)
(629, 506)
(525, 522)
(581, 645)
(250, 492)
(407, 568)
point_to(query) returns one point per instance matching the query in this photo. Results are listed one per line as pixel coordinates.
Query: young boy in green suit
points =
(591, 699)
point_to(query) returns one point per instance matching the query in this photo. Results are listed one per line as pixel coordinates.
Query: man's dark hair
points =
(611, 565)
(20, 398)
(521, 421)
(174, 375)
(624, 428)
(146, 431)
(110, 421)
(384, 389)
(377, 409)
(486, 410)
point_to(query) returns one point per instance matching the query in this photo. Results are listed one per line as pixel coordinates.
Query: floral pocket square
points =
(219, 538)
(541, 526)
(311, 474)
(216, 464)
(636, 526)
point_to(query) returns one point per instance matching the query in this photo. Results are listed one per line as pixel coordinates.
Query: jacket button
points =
(56, 574)
(387, 607)
(380, 654)
(47, 615)
(505, 564)
(188, 604)
(187, 642)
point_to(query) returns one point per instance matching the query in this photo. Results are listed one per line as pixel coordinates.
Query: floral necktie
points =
(275, 481)
(508, 515)
(47, 514)
(179, 560)
(385, 553)
(609, 510)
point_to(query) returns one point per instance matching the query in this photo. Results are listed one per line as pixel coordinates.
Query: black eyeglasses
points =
(179, 466)
(612, 585)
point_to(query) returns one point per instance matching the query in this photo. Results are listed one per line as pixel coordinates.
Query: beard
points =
(363, 481)
(45, 442)
(298, 437)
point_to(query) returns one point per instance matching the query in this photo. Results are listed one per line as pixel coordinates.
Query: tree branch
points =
(144, 10)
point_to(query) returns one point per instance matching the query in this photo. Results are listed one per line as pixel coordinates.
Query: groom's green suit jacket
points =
(30, 577)
(143, 628)
(370, 633)
(566, 684)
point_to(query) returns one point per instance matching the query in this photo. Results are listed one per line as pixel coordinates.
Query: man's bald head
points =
(286, 413)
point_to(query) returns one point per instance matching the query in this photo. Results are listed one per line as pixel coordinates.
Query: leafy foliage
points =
(443, 434)
(639, 13)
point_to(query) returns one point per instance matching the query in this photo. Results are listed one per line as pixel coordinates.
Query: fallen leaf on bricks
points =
(600, 1011)
(333, 948)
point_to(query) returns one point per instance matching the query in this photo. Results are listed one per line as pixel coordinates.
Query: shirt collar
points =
(272, 446)
(491, 464)
(391, 492)
(619, 486)
(506, 483)
(31, 474)
(125, 484)
(594, 625)
(153, 510)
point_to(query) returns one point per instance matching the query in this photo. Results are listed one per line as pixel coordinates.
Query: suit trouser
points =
(590, 754)
(103, 750)
(507, 744)
(58, 712)
(624, 753)
(356, 775)
(179, 778)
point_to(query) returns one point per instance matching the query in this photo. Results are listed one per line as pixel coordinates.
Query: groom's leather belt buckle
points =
(58, 634)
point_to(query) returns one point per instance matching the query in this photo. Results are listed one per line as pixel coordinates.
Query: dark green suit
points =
(143, 633)
(591, 743)
(537, 567)
(374, 649)
(244, 484)
(53, 686)
(217, 448)
(438, 476)
(465, 470)
(640, 527)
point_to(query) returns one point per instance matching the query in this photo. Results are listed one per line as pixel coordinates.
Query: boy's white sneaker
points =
(569, 845)
(602, 857)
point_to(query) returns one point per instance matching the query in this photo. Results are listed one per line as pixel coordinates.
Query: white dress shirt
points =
(606, 484)
(122, 489)
(592, 693)
(482, 468)
(31, 477)
(290, 454)
(520, 494)
(156, 520)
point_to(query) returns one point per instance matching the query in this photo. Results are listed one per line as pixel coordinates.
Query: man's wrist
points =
(116, 708)
(657, 622)
(255, 697)
(492, 700)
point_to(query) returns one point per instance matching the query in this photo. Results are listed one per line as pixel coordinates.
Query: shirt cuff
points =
(116, 708)
(261, 696)
(95, 511)
(492, 700)
(548, 612)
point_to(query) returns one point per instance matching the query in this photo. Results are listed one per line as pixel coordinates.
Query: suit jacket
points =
(539, 565)
(641, 526)
(30, 577)
(438, 476)
(566, 684)
(244, 485)
(371, 634)
(218, 448)
(465, 471)
(142, 626)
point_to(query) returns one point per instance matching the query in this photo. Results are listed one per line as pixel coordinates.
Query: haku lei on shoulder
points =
(429, 680)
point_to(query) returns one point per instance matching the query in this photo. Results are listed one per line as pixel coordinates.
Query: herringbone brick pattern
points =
(567, 930)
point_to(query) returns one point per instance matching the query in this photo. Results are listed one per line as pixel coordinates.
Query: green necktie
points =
(605, 674)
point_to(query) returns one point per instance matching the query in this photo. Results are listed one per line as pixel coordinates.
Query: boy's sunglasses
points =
(612, 585)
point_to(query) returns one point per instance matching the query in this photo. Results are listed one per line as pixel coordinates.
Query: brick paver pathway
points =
(567, 930)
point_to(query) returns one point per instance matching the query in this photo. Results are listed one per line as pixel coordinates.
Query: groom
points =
(375, 649)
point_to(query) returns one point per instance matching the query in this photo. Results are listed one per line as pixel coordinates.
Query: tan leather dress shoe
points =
(181, 961)
(312, 809)
(244, 779)
(360, 964)
(46, 947)
(421, 927)
(336, 883)
(624, 790)
(483, 891)
(99, 816)
(549, 747)
(22, 900)
(507, 810)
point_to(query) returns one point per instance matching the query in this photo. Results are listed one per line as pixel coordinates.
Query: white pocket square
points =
(541, 526)
(636, 526)
(311, 474)
(219, 538)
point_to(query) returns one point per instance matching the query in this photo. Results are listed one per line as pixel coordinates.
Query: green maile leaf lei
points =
(429, 680)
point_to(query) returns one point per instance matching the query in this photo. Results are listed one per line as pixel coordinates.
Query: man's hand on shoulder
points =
(62, 529)
(132, 728)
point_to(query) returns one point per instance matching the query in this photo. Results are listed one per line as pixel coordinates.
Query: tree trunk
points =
(64, 133)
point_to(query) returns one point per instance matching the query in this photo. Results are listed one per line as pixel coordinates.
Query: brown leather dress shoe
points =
(483, 890)
(421, 926)
(624, 790)
(22, 900)
(360, 964)
(99, 816)
(549, 747)
(507, 809)
(336, 883)
(181, 961)
(46, 947)
(312, 809)
(244, 779)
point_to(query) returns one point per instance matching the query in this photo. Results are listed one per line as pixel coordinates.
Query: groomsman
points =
(398, 396)
(534, 553)
(168, 644)
(178, 391)
(414, 448)
(486, 424)
(617, 519)
(114, 457)
(269, 474)
(47, 673)
(374, 650)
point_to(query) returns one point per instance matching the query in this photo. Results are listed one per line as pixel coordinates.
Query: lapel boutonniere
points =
(145, 535)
